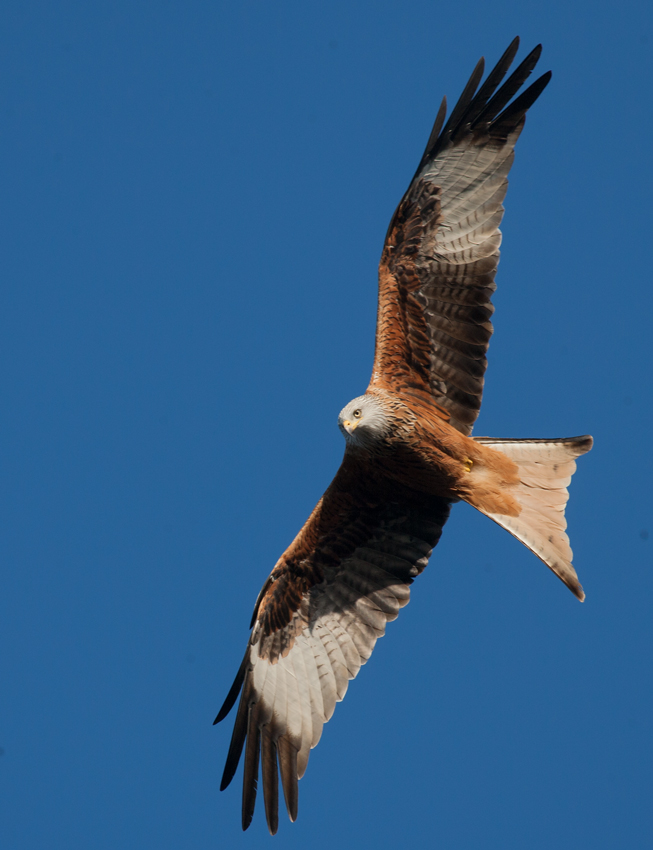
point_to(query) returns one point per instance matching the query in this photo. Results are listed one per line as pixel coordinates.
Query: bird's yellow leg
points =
(468, 463)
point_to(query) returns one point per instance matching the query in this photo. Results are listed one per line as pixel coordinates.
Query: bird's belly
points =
(433, 472)
(443, 462)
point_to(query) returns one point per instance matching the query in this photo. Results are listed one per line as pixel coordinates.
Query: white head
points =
(364, 422)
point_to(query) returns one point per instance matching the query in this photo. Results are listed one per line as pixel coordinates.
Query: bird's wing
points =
(436, 275)
(316, 621)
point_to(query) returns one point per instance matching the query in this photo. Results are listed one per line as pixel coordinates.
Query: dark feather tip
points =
(232, 696)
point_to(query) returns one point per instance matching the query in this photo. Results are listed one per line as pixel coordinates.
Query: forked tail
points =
(545, 470)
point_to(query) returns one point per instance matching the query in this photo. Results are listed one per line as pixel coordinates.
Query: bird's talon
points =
(467, 463)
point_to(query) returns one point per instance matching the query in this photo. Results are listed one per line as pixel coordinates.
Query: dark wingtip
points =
(463, 103)
(493, 111)
(511, 117)
(238, 737)
(251, 766)
(232, 696)
(487, 90)
(288, 768)
(477, 111)
(542, 82)
(270, 777)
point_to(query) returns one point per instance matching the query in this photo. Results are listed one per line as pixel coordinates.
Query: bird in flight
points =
(408, 455)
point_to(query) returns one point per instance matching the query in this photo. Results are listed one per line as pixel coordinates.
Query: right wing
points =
(436, 275)
(316, 621)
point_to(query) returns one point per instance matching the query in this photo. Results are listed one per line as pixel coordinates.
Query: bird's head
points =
(363, 421)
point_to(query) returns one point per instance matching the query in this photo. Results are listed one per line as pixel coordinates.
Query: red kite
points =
(409, 454)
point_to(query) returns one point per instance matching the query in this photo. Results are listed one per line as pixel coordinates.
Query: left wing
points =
(316, 622)
(436, 275)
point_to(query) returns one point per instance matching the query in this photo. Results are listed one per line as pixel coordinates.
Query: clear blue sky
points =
(194, 198)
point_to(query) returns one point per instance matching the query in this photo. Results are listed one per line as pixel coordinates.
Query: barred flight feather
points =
(465, 170)
(289, 694)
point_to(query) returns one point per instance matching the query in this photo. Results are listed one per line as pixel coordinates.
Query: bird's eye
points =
(357, 413)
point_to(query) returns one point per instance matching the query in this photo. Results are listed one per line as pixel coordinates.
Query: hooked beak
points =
(350, 427)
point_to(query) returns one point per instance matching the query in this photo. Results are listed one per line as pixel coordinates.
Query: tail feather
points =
(545, 470)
